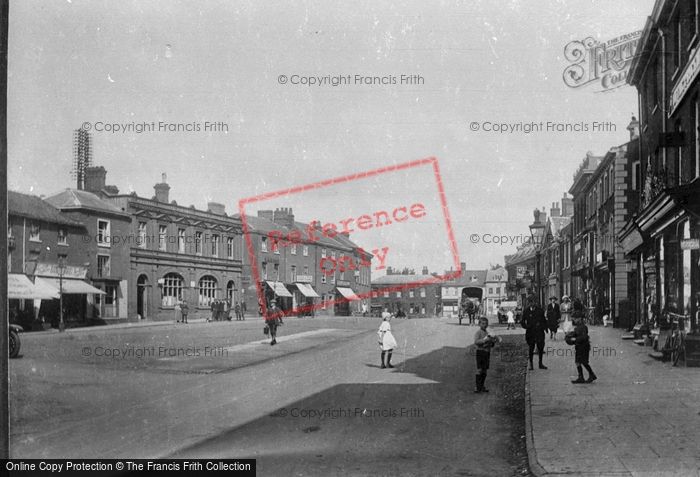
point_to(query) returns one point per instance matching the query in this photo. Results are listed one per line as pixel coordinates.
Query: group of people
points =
(536, 323)
(221, 310)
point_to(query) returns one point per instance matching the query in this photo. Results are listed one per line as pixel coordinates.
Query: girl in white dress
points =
(386, 341)
(565, 308)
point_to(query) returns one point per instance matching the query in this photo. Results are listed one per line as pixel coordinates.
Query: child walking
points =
(484, 341)
(579, 338)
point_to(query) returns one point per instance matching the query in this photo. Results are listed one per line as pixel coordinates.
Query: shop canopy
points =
(307, 291)
(70, 286)
(21, 287)
(347, 293)
(279, 289)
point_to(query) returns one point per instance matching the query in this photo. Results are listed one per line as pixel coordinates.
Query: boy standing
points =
(579, 338)
(185, 310)
(484, 342)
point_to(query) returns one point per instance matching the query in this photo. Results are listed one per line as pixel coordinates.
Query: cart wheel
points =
(14, 344)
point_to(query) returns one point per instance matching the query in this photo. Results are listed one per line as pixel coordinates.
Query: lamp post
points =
(537, 243)
(61, 268)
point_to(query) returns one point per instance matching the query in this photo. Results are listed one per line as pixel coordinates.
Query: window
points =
(207, 290)
(422, 292)
(323, 253)
(198, 243)
(110, 302)
(275, 248)
(103, 233)
(398, 294)
(293, 249)
(386, 294)
(498, 291)
(103, 265)
(333, 254)
(679, 169)
(333, 279)
(294, 273)
(263, 244)
(162, 244)
(305, 250)
(181, 240)
(636, 177)
(679, 43)
(229, 248)
(62, 236)
(214, 245)
(172, 289)
(306, 270)
(142, 235)
(490, 290)
(323, 278)
(342, 275)
(410, 294)
(264, 270)
(276, 271)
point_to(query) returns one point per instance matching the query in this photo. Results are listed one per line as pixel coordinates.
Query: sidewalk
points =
(640, 418)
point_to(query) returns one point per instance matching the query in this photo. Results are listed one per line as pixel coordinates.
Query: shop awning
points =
(70, 286)
(21, 287)
(307, 291)
(347, 293)
(279, 289)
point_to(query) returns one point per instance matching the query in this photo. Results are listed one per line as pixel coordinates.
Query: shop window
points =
(172, 289)
(110, 302)
(207, 290)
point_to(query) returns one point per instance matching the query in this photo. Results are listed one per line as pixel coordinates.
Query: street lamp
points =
(61, 268)
(537, 242)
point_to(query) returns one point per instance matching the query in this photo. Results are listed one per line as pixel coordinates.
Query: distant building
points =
(420, 301)
(471, 283)
(495, 291)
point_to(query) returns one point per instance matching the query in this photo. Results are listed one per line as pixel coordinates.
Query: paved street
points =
(416, 419)
(640, 418)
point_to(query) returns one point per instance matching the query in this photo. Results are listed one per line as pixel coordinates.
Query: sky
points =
(229, 76)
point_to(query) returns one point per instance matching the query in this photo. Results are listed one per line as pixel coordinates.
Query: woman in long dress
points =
(566, 324)
(386, 341)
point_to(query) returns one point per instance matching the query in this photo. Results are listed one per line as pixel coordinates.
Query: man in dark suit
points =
(553, 317)
(535, 324)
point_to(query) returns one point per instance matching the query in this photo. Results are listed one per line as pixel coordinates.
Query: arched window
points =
(207, 290)
(172, 289)
(230, 291)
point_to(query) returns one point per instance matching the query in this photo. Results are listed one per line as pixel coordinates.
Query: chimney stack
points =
(284, 217)
(633, 128)
(463, 267)
(425, 270)
(266, 214)
(162, 191)
(555, 211)
(95, 178)
(567, 206)
(216, 208)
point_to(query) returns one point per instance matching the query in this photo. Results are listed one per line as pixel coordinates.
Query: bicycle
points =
(675, 340)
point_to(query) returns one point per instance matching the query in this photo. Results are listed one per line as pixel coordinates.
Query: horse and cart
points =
(470, 304)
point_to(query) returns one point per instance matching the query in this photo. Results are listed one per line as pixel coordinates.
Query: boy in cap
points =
(484, 341)
(582, 343)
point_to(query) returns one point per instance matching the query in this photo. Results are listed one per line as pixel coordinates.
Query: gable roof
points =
(469, 278)
(73, 199)
(32, 207)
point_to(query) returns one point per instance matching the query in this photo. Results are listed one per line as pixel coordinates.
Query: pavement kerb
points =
(116, 326)
(535, 466)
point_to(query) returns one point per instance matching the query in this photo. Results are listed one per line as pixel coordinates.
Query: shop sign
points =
(343, 283)
(53, 270)
(690, 244)
(685, 81)
(245, 280)
(305, 279)
(650, 264)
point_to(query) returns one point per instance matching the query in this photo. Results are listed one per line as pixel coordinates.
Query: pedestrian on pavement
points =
(213, 311)
(274, 319)
(185, 309)
(386, 340)
(511, 319)
(237, 309)
(553, 317)
(535, 324)
(484, 341)
(565, 309)
(178, 311)
(243, 310)
(582, 343)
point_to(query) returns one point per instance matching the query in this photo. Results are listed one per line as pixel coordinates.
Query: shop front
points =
(274, 290)
(304, 295)
(344, 296)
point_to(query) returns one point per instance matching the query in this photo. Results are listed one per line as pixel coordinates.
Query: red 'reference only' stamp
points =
(375, 218)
